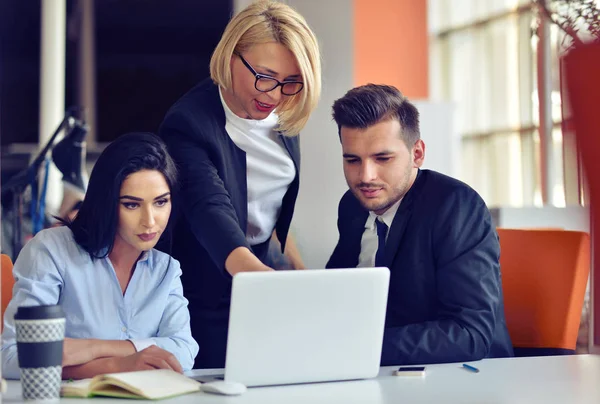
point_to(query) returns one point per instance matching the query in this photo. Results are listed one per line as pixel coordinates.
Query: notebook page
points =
(157, 383)
(78, 388)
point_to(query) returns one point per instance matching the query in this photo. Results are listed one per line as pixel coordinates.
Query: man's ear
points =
(418, 153)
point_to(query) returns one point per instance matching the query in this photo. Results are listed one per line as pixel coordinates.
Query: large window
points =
(484, 58)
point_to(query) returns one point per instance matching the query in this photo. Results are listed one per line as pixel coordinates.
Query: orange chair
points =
(8, 281)
(544, 277)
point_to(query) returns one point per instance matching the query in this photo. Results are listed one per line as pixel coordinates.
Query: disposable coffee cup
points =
(40, 337)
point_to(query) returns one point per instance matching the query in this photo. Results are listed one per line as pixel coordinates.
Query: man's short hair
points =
(370, 104)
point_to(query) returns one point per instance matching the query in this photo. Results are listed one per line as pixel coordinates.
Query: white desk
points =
(547, 380)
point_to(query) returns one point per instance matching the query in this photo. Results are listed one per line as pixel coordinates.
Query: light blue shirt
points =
(53, 269)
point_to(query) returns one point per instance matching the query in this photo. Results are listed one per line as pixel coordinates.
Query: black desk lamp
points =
(68, 159)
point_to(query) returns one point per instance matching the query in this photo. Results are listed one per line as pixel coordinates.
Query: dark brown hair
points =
(367, 105)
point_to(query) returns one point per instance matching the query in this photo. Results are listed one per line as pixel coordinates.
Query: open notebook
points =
(147, 384)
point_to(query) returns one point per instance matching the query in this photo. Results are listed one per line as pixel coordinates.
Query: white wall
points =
(322, 180)
(442, 144)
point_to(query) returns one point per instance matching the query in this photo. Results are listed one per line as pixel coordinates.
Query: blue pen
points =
(471, 368)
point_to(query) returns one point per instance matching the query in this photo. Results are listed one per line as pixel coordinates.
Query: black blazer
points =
(445, 298)
(211, 212)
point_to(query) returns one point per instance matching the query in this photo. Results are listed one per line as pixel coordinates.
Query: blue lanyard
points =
(37, 209)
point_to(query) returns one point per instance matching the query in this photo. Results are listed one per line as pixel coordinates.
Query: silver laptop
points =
(289, 327)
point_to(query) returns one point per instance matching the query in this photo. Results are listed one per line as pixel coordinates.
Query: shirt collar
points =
(387, 217)
(145, 256)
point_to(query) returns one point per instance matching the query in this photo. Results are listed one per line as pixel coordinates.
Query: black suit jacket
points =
(211, 211)
(445, 298)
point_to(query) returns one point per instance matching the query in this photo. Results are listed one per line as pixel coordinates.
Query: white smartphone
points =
(410, 371)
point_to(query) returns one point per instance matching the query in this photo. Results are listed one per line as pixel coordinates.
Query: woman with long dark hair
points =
(123, 300)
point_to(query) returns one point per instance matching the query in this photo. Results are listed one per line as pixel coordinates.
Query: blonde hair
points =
(271, 21)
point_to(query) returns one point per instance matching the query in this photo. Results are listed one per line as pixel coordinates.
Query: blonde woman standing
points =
(234, 138)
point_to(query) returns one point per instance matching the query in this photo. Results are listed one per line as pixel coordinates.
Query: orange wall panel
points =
(391, 45)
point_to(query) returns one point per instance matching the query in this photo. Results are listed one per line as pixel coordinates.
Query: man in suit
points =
(434, 232)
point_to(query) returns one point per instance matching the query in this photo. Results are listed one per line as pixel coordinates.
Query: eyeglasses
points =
(266, 83)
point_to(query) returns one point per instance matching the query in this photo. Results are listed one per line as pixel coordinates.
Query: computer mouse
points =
(223, 387)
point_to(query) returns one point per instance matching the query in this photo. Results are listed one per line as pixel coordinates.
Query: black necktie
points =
(382, 230)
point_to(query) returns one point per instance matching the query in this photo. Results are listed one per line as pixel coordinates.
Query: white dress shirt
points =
(269, 170)
(370, 242)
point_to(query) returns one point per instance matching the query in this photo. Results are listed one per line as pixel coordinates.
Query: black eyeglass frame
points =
(259, 76)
